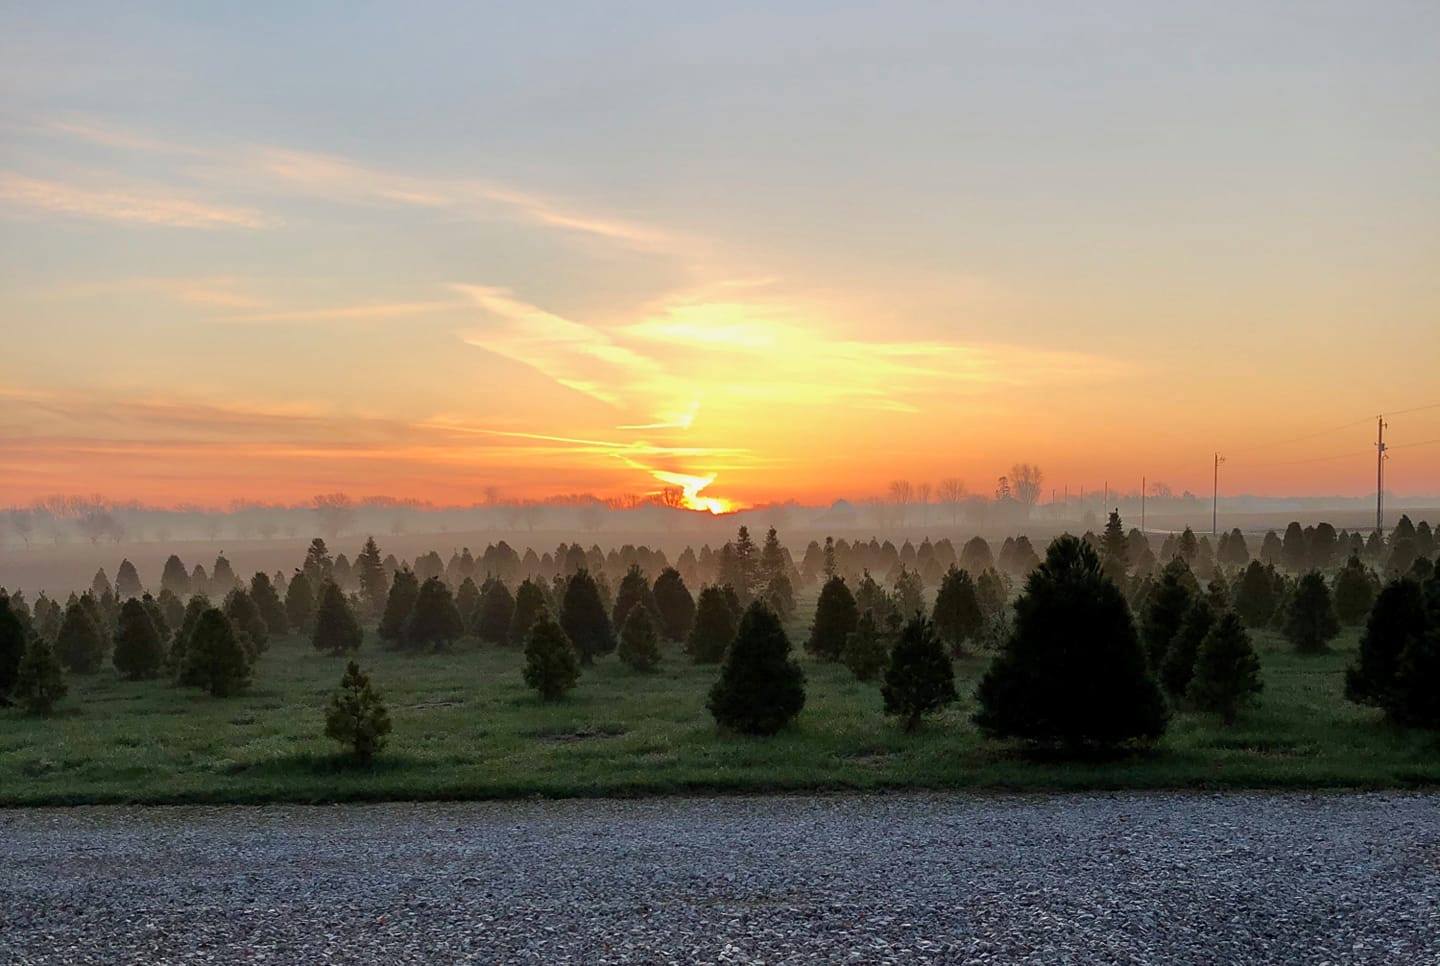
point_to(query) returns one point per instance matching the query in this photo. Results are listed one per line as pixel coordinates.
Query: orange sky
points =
(933, 246)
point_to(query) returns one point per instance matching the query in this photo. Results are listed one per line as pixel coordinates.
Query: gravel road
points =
(1158, 878)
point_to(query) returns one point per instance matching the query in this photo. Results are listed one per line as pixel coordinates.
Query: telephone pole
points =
(1215, 498)
(1142, 504)
(1380, 474)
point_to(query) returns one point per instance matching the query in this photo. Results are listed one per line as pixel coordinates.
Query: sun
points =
(691, 486)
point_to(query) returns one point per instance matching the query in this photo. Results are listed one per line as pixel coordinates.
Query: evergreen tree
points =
(139, 652)
(299, 601)
(975, 556)
(1165, 608)
(215, 659)
(374, 579)
(399, 605)
(957, 616)
(222, 577)
(530, 606)
(157, 617)
(1293, 549)
(177, 663)
(639, 643)
(1397, 621)
(583, 617)
(435, 621)
(254, 634)
(175, 578)
(172, 607)
(1255, 594)
(1179, 666)
(1354, 591)
(634, 592)
(199, 582)
(1115, 549)
(869, 595)
(127, 580)
(992, 590)
(836, 617)
(713, 629)
(676, 606)
(39, 678)
(866, 649)
(919, 679)
(779, 596)
(551, 664)
(909, 594)
(467, 602)
(1310, 622)
(268, 603)
(12, 647)
(495, 613)
(1227, 671)
(1073, 670)
(761, 688)
(1272, 551)
(318, 565)
(80, 646)
(337, 629)
(357, 717)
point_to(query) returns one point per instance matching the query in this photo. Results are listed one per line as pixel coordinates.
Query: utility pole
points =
(1380, 474)
(1142, 504)
(1215, 498)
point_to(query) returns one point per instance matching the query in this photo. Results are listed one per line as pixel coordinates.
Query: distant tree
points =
(1115, 549)
(869, 595)
(177, 664)
(39, 678)
(357, 717)
(435, 621)
(1227, 671)
(1165, 608)
(761, 688)
(1073, 671)
(337, 629)
(1293, 550)
(268, 603)
(399, 605)
(1179, 665)
(222, 577)
(216, 661)
(12, 647)
(909, 593)
(779, 596)
(919, 679)
(254, 632)
(157, 618)
(639, 643)
(714, 627)
(530, 606)
(1272, 551)
(1187, 548)
(975, 556)
(495, 613)
(319, 566)
(867, 649)
(836, 617)
(957, 616)
(199, 581)
(551, 664)
(175, 578)
(172, 608)
(1310, 622)
(583, 617)
(1255, 594)
(80, 646)
(992, 589)
(139, 651)
(127, 580)
(299, 602)
(1402, 555)
(1354, 591)
(372, 576)
(634, 592)
(676, 606)
(1320, 546)
(467, 601)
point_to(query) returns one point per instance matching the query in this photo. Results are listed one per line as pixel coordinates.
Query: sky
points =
(764, 251)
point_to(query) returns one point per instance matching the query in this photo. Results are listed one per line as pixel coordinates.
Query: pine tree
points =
(495, 613)
(1310, 622)
(551, 664)
(866, 649)
(1165, 608)
(357, 717)
(1073, 671)
(1293, 551)
(222, 577)
(39, 678)
(530, 606)
(1397, 621)
(435, 621)
(215, 659)
(634, 592)
(714, 627)
(909, 595)
(157, 617)
(139, 652)
(467, 602)
(267, 602)
(869, 595)
(337, 629)
(1115, 548)
(79, 645)
(761, 688)
(177, 664)
(583, 617)
(12, 647)
(1179, 666)
(175, 578)
(299, 601)
(173, 609)
(374, 580)
(639, 643)
(1255, 594)
(127, 580)
(1227, 671)
(253, 631)
(919, 679)
(399, 605)
(836, 617)
(676, 606)
(957, 616)
(318, 565)
(779, 596)
(1354, 591)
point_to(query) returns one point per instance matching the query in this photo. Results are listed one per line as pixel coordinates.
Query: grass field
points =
(466, 727)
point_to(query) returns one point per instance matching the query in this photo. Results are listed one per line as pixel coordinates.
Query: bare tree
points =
(922, 497)
(335, 512)
(23, 522)
(1025, 480)
(952, 495)
(902, 493)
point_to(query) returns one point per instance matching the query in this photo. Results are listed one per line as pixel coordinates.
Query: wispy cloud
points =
(121, 204)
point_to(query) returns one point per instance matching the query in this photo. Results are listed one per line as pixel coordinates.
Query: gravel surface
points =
(1157, 878)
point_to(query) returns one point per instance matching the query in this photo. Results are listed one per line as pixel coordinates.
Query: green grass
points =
(466, 727)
